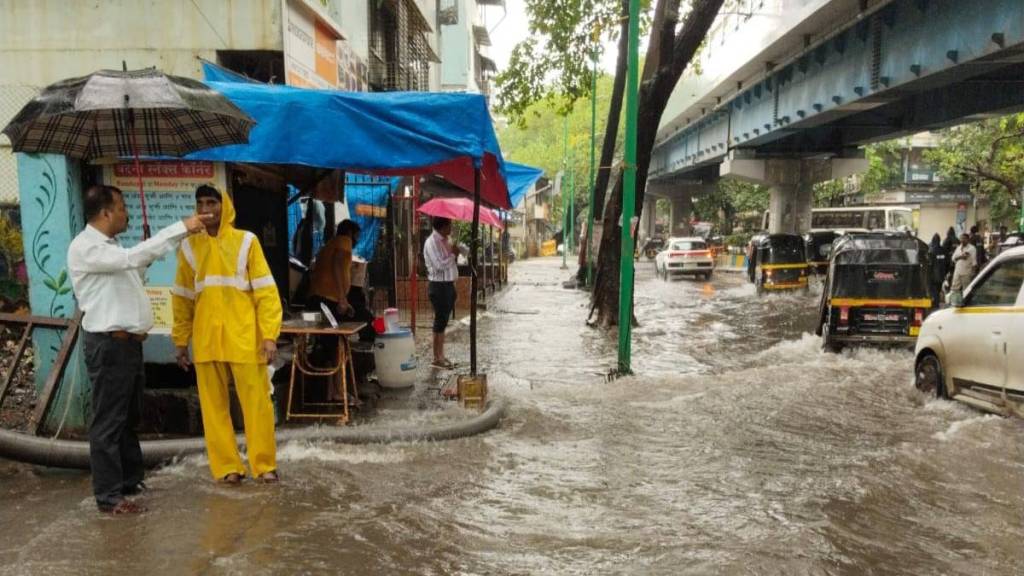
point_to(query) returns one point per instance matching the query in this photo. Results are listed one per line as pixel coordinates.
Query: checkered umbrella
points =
(127, 113)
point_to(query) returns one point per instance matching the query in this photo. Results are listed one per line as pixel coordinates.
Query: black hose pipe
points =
(75, 453)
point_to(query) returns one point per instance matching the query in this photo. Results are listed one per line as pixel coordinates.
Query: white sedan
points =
(684, 256)
(974, 352)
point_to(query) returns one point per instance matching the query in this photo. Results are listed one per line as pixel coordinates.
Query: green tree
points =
(731, 203)
(989, 157)
(536, 139)
(675, 37)
(884, 166)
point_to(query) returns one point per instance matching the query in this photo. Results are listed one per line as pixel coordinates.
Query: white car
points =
(974, 352)
(684, 256)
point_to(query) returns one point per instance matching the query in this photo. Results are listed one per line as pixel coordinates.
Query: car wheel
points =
(928, 376)
(651, 253)
(827, 343)
(707, 275)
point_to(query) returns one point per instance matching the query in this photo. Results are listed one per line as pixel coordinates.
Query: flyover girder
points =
(909, 66)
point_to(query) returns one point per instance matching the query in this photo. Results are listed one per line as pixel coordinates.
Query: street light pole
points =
(561, 186)
(571, 240)
(593, 142)
(629, 193)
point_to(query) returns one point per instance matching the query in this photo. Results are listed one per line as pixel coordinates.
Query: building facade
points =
(357, 45)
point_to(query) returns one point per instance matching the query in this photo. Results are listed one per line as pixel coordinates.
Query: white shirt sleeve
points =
(104, 258)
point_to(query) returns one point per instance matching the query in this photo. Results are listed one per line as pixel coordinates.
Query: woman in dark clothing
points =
(938, 264)
(950, 243)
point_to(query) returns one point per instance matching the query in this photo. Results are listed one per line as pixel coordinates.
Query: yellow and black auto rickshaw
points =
(876, 291)
(777, 262)
(818, 244)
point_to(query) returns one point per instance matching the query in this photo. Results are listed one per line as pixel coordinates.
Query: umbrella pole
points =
(415, 236)
(474, 244)
(138, 173)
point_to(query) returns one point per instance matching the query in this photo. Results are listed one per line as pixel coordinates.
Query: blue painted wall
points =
(51, 215)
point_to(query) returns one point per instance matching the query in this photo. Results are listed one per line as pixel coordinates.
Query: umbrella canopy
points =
(459, 209)
(120, 114)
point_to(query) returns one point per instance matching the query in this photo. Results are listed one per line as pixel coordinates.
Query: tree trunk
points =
(668, 54)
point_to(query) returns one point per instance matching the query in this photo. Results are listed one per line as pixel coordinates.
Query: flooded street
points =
(739, 448)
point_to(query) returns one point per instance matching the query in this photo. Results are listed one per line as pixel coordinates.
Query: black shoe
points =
(135, 490)
(122, 507)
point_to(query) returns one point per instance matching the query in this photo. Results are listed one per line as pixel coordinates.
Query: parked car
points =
(973, 352)
(875, 291)
(684, 256)
(777, 262)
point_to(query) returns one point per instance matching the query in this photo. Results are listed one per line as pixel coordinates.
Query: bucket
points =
(391, 320)
(394, 354)
(472, 391)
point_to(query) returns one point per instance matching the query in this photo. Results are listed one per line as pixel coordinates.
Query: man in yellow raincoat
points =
(226, 302)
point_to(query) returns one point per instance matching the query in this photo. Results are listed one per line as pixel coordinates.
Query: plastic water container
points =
(391, 320)
(394, 353)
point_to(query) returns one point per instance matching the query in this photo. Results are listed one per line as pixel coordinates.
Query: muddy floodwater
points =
(738, 448)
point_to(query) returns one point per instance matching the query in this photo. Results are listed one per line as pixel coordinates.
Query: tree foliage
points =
(732, 203)
(988, 156)
(537, 140)
(884, 166)
(554, 62)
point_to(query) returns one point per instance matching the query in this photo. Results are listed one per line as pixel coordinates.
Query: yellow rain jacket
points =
(224, 296)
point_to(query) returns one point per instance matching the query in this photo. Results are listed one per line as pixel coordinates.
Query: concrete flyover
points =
(790, 89)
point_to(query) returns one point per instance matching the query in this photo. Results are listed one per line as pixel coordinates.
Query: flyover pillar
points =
(682, 209)
(648, 218)
(791, 185)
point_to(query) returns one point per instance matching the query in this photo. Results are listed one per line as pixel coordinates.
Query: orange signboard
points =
(326, 54)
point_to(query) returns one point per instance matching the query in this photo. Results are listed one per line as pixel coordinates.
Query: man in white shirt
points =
(441, 257)
(965, 261)
(108, 283)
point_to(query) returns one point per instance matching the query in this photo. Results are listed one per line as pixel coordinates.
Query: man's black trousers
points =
(116, 371)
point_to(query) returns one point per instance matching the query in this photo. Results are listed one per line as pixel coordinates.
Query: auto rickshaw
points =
(818, 245)
(777, 262)
(876, 291)
(651, 247)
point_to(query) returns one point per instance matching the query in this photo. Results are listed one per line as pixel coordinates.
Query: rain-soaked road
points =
(738, 449)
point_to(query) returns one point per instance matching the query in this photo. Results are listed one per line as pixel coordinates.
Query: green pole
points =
(565, 141)
(571, 243)
(593, 144)
(629, 193)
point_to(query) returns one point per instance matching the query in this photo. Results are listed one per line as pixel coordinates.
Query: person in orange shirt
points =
(330, 285)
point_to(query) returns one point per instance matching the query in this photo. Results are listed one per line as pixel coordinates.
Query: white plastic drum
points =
(394, 353)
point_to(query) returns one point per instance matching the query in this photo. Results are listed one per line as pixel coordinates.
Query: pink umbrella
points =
(459, 209)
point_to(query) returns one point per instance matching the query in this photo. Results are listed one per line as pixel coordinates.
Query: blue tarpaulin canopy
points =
(393, 133)
(520, 178)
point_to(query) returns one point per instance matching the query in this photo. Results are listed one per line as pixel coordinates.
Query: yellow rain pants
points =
(253, 390)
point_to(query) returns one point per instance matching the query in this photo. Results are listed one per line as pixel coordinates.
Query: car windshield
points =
(688, 245)
(786, 250)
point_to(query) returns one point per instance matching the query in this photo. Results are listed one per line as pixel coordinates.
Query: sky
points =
(508, 31)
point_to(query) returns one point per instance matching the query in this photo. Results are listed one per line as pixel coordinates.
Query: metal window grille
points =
(399, 53)
(447, 12)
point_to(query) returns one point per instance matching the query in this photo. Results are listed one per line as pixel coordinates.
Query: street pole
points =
(1020, 225)
(561, 188)
(629, 194)
(593, 143)
(572, 201)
